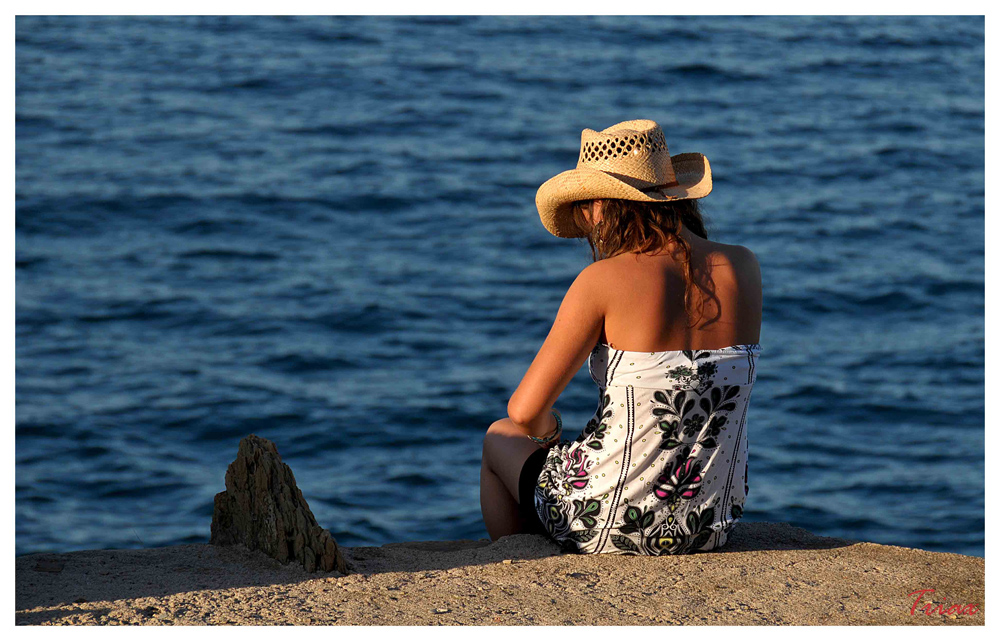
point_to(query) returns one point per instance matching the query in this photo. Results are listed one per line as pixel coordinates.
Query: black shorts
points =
(526, 491)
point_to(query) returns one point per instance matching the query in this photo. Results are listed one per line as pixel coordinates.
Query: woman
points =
(670, 322)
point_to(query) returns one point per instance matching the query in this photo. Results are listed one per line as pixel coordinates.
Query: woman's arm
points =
(574, 334)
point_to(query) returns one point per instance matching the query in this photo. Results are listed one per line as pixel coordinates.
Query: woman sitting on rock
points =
(671, 322)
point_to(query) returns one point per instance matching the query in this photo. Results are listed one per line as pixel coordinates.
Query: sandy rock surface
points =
(768, 573)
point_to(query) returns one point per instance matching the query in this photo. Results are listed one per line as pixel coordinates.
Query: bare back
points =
(645, 306)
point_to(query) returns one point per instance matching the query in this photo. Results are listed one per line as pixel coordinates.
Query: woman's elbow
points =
(521, 415)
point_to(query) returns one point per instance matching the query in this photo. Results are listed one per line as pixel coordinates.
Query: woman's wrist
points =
(553, 434)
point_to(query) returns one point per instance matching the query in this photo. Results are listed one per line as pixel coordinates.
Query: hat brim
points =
(556, 196)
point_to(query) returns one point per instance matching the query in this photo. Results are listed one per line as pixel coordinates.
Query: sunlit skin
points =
(632, 302)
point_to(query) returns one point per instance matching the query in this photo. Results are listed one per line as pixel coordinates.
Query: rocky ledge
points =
(271, 563)
(768, 573)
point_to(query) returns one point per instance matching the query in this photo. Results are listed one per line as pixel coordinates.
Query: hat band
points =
(661, 187)
(639, 183)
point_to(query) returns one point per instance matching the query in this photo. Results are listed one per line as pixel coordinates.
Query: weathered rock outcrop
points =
(263, 509)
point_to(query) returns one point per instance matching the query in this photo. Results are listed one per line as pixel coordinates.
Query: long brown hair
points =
(631, 226)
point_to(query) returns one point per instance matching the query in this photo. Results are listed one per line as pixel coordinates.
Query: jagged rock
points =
(263, 509)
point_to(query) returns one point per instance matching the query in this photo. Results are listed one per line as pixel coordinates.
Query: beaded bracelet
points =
(548, 438)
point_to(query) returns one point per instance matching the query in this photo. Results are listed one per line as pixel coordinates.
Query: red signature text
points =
(943, 607)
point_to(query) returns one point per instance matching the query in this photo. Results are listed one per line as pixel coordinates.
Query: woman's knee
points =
(496, 432)
(502, 426)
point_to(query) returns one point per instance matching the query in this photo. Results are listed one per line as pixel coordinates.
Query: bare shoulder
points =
(611, 274)
(740, 258)
(599, 272)
(586, 295)
(593, 278)
(745, 258)
(595, 281)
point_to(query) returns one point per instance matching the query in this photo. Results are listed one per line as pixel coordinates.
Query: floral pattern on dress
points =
(657, 468)
(596, 429)
(681, 480)
(682, 419)
(562, 478)
(667, 537)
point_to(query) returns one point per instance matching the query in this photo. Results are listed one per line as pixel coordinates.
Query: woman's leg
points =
(505, 449)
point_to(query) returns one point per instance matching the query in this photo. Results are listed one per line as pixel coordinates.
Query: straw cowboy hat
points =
(629, 161)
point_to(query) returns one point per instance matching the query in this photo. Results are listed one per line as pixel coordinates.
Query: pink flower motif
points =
(575, 468)
(682, 479)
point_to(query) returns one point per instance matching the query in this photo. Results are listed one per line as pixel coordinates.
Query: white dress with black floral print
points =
(661, 468)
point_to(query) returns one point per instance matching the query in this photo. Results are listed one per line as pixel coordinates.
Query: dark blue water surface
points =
(322, 231)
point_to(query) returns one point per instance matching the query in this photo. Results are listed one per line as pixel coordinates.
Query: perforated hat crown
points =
(629, 161)
(634, 151)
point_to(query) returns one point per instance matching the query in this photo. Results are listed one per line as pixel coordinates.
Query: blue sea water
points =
(322, 230)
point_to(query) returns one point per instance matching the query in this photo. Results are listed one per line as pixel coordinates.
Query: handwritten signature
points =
(940, 608)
